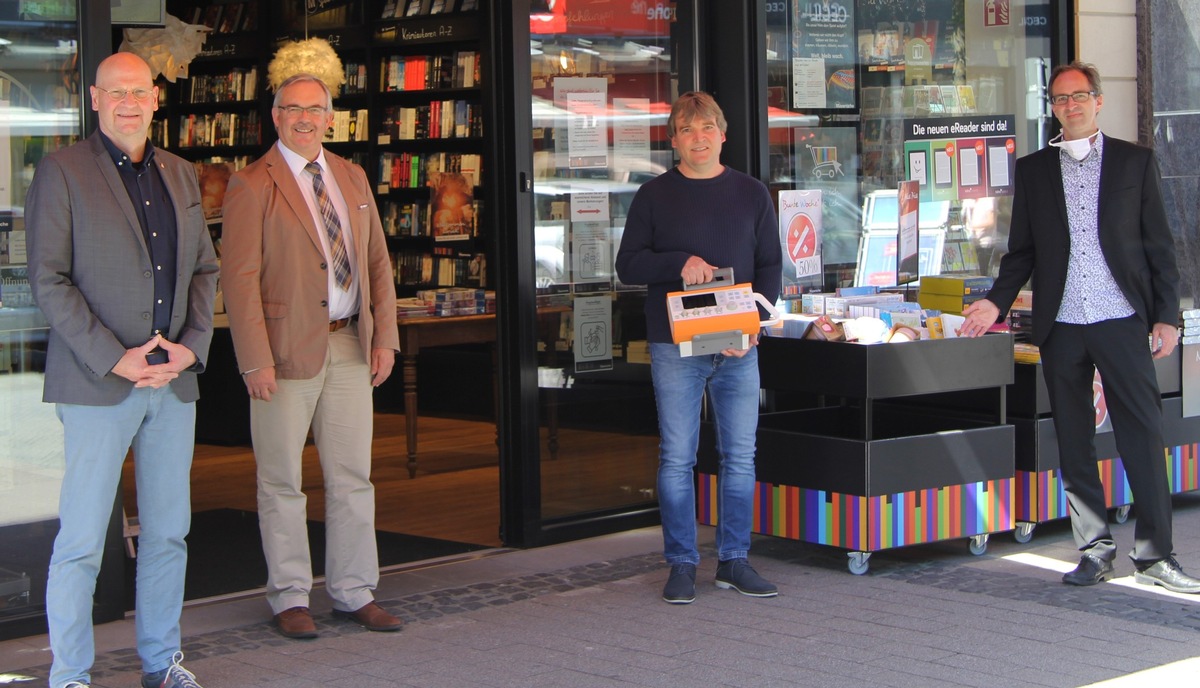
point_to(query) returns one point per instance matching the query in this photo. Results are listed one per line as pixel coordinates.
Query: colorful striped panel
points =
(1183, 468)
(869, 524)
(1041, 497)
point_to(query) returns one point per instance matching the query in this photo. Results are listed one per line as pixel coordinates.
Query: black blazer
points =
(1134, 236)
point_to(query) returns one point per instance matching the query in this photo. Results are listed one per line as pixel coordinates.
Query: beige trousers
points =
(337, 405)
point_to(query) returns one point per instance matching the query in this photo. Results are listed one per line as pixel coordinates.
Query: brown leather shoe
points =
(296, 622)
(371, 617)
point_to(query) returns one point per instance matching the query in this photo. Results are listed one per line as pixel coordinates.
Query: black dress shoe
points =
(1168, 574)
(1091, 570)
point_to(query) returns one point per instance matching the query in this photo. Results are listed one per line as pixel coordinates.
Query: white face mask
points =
(1078, 148)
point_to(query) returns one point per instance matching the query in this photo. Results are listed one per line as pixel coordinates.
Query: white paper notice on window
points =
(591, 260)
(998, 165)
(631, 133)
(969, 174)
(593, 333)
(589, 206)
(587, 130)
(808, 83)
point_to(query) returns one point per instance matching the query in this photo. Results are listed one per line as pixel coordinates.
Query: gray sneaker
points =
(174, 676)
(739, 575)
(681, 584)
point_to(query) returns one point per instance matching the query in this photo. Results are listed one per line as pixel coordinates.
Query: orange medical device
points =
(714, 316)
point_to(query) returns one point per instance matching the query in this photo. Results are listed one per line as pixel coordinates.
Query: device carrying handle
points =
(769, 307)
(722, 277)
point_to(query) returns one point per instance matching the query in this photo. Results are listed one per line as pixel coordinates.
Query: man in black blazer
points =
(1088, 224)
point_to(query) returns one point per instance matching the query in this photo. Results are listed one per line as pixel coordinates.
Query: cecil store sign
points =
(602, 17)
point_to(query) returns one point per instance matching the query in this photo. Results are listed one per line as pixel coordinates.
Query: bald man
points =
(123, 267)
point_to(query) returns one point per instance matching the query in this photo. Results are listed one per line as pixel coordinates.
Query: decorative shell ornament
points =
(168, 50)
(311, 56)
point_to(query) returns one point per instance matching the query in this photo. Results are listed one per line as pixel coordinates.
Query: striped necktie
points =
(333, 227)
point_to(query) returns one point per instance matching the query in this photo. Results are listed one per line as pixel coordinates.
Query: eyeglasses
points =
(118, 94)
(296, 110)
(1078, 97)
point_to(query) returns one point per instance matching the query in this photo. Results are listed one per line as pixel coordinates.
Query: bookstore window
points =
(602, 83)
(39, 114)
(865, 94)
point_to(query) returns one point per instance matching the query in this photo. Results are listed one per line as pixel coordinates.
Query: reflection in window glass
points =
(863, 95)
(39, 113)
(602, 89)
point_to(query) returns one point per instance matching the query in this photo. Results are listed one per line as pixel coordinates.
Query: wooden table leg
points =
(410, 411)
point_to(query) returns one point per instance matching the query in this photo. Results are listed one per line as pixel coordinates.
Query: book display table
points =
(866, 470)
(1039, 491)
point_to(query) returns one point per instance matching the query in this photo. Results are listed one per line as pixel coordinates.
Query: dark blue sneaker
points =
(681, 584)
(739, 575)
(174, 676)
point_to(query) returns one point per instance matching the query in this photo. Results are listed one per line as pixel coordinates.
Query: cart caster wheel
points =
(858, 563)
(978, 544)
(1024, 532)
(1121, 514)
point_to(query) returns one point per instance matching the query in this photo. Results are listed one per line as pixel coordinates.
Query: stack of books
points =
(1020, 317)
(952, 293)
(1191, 326)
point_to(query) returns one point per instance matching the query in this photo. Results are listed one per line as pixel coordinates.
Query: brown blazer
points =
(274, 273)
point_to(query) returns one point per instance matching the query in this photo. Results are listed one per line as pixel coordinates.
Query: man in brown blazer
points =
(312, 309)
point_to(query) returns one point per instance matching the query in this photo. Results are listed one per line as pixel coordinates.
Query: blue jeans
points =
(733, 389)
(161, 430)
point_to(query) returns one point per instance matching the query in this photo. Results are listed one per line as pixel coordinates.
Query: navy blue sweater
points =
(728, 220)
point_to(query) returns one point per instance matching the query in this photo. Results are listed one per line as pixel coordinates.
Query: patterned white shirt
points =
(1091, 294)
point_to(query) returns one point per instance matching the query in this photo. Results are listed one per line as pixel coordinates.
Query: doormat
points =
(225, 553)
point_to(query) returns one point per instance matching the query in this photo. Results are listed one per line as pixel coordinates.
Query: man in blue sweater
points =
(686, 223)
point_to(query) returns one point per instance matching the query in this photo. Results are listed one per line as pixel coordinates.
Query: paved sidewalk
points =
(589, 614)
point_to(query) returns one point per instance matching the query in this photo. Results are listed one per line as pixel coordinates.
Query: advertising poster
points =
(823, 47)
(593, 333)
(956, 158)
(908, 243)
(800, 232)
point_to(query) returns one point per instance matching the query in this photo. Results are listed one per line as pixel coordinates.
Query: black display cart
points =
(865, 454)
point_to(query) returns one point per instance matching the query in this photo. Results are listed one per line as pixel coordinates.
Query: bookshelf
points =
(216, 114)
(428, 141)
(410, 113)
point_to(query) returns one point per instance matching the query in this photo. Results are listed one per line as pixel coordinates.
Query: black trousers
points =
(1119, 349)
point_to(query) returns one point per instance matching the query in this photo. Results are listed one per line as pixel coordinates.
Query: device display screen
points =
(699, 301)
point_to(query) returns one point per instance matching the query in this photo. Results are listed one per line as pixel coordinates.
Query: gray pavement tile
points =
(564, 678)
(940, 671)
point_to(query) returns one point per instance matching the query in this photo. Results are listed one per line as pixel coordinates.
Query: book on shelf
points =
(962, 285)
(452, 208)
(212, 16)
(250, 16)
(231, 18)
(213, 178)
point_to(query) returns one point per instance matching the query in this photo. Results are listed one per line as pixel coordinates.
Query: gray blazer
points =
(91, 273)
